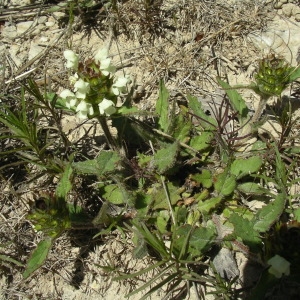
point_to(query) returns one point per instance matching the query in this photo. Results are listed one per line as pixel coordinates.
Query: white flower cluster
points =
(76, 99)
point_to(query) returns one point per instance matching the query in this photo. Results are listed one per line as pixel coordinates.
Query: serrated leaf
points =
(204, 178)
(225, 183)
(236, 101)
(242, 167)
(198, 240)
(106, 161)
(164, 159)
(38, 257)
(115, 194)
(162, 107)
(243, 228)
(65, 184)
(209, 204)
(269, 214)
(202, 142)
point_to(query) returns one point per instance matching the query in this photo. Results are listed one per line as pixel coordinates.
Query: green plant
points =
(188, 189)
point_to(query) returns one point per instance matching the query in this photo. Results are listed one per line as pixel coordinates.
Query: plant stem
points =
(109, 138)
(261, 106)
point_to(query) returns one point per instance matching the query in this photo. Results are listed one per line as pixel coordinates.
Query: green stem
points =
(109, 138)
(261, 106)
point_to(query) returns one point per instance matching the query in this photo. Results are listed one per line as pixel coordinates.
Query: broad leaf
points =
(65, 184)
(242, 167)
(209, 204)
(165, 159)
(225, 183)
(269, 214)
(252, 188)
(107, 161)
(202, 142)
(204, 178)
(243, 228)
(38, 257)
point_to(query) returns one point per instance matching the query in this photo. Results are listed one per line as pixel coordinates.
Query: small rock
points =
(42, 19)
(44, 39)
(9, 32)
(49, 24)
(34, 50)
(279, 3)
(23, 26)
(287, 9)
(297, 17)
(225, 264)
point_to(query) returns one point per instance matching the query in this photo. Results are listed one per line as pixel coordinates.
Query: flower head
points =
(81, 88)
(107, 107)
(84, 110)
(279, 266)
(102, 59)
(119, 86)
(70, 98)
(72, 59)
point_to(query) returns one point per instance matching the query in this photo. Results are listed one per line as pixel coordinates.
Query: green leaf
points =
(206, 121)
(181, 128)
(297, 214)
(252, 188)
(225, 183)
(204, 178)
(236, 100)
(159, 197)
(196, 241)
(11, 260)
(107, 161)
(162, 221)
(162, 107)
(115, 193)
(294, 75)
(243, 167)
(269, 214)
(243, 228)
(202, 142)
(209, 204)
(165, 159)
(38, 257)
(65, 184)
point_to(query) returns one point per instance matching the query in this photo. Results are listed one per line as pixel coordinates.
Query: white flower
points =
(107, 107)
(81, 88)
(70, 98)
(105, 63)
(73, 78)
(84, 110)
(279, 266)
(119, 87)
(72, 59)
